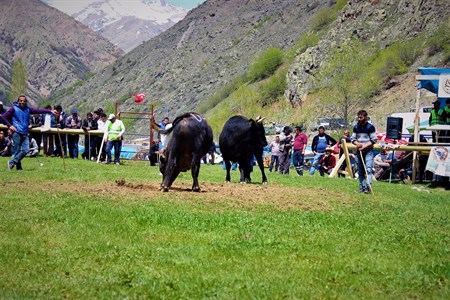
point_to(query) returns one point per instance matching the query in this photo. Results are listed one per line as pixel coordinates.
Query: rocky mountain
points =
(56, 50)
(381, 23)
(125, 23)
(189, 62)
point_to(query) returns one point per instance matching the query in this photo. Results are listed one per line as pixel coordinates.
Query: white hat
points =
(111, 116)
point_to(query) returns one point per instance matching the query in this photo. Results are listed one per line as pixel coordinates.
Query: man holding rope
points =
(364, 137)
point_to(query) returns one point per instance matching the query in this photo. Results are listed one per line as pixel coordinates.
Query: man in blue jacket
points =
(17, 118)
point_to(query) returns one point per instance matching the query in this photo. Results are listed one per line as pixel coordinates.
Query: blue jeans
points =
(298, 159)
(72, 141)
(117, 144)
(367, 154)
(20, 148)
(273, 161)
(315, 163)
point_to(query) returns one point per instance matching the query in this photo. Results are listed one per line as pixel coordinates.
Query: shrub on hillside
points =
(440, 42)
(265, 65)
(273, 88)
(322, 18)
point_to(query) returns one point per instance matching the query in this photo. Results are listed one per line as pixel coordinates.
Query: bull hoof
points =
(164, 189)
(196, 189)
(265, 183)
(227, 181)
(243, 182)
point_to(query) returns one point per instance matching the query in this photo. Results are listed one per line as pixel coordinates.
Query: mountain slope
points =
(56, 50)
(125, 23)
(192, 60)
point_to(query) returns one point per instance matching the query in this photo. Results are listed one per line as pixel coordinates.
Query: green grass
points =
(78, 234)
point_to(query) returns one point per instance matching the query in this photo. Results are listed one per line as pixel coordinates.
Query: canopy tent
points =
(430, 80)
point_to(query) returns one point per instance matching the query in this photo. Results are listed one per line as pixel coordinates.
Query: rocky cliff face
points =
(188, 63)
(383, 22)
(56, 50)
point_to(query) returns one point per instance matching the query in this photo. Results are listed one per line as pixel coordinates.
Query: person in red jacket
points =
(327, 162)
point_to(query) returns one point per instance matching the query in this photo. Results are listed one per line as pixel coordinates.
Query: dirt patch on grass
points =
(220, 195)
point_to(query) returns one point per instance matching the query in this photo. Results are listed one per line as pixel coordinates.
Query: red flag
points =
(138, 98)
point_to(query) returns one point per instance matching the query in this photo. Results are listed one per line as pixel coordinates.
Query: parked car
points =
(325, 122)
(337, 123)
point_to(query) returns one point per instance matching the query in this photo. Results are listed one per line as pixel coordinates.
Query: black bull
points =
(191, 138)
(240, 140)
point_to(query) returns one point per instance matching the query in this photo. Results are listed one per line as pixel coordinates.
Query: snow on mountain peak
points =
(110, 11)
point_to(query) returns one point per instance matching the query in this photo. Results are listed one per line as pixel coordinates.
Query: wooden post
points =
(347, 158)
(416, 136)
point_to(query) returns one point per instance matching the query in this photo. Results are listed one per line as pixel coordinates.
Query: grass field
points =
(105, 231)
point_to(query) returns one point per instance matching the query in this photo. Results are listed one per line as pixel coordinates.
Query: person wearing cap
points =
(286, 142)
(114, 131)
(17, 118)
(436, 117)
(73, 122)
(327, 162)
(2, 111)
(320, 142)
(300, 141)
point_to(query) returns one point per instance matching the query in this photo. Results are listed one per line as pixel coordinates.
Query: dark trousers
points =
(274, 160)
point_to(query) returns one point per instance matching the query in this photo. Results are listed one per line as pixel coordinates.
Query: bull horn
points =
(259, 120)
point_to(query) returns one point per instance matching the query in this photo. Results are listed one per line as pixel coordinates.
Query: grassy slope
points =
(82, 236)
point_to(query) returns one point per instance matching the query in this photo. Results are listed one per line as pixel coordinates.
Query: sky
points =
(188, 4)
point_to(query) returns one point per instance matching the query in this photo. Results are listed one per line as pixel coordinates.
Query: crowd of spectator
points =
(60, 144)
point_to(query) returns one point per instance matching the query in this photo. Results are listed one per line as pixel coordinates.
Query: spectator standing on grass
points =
(286, 142)
(17, 118)
(73, 122)
(275, 153)
(101, 123)
(300, 142)
(48, 138)
(153, 155)
(320, 142)
(59, 122)
(114, 132)
(63, 116)
(89, 123)
(364, 137)
(36, 122)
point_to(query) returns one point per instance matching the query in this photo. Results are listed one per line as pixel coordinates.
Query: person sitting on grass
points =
(327, 162)
(34, 149)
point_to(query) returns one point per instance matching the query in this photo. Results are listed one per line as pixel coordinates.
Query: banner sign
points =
(444, 86)
(439, 161)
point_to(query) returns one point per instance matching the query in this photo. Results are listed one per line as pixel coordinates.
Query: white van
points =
(409, 117)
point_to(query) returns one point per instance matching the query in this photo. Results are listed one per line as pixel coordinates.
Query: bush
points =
(305, 41)
(221, 95)
(440, 42)
(273, 88)
(323, 17)
(265, 65)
